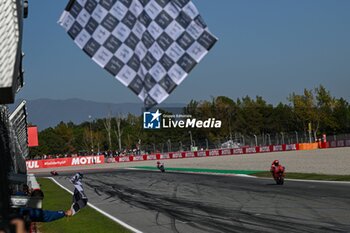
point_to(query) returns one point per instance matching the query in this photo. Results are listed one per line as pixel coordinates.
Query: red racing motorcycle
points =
(278, 172)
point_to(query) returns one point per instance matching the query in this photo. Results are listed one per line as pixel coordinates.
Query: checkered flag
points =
(79, 198)
(148, 45)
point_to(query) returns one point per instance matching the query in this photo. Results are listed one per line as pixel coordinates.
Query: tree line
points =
(248, 116)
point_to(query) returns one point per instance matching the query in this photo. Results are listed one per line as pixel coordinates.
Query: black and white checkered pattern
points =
(79, 198)
(148, 45)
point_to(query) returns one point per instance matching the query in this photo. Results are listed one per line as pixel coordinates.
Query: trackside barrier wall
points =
(65, 162)
(209, 153)
(90, 160)
(339, 143)
(308, 146)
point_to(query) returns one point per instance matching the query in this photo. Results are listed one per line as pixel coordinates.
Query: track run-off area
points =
(176, 202)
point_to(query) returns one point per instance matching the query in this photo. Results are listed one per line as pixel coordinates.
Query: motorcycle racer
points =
(276, 169)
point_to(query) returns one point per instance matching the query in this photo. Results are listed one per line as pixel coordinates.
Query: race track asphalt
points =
(156, 202)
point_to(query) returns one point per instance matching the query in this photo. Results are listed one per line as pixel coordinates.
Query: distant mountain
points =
(48, 113)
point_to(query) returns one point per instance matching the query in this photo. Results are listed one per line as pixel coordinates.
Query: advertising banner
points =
(214, 153)
(201, 153)
(189, 154)
(151, 157)
(277, 148)
(264, 149)
(226, 152)
(65, 162)
(291, 147)
(164, 156)
(138, 158)
(251, 150)
(177, 155)
(238, 151)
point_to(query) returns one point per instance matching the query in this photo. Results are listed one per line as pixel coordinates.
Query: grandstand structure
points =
(13, 126)
(11, 74)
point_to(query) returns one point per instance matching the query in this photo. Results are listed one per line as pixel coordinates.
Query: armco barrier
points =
(64, 162)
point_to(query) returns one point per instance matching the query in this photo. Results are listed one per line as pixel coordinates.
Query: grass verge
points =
(87, 220)
(307, 176)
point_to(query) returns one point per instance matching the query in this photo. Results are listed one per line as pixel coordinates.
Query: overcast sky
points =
(268, 48)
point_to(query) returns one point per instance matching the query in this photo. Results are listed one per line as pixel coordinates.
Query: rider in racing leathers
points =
(276, 168)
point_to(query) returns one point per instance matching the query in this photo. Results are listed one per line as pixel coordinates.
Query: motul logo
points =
(32, 164)
(86, 160)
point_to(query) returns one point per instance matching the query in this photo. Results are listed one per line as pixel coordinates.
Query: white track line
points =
(101, 211)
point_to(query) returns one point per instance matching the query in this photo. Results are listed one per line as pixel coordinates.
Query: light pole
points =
(282, 137)
(243, 140)
(169, 145)
(206, 143)
(161, 145)
(256, 139)
(191, 139)
(263, 138)
(92, 142)
(269, 137)
(297, 136)
(180, 146)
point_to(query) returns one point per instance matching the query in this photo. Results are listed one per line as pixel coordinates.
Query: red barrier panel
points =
(138, 158)
(265, 149)
(238, 151)
(152, 157)
(165, 156)
(324, 145)
(177, 155)
(64, 162)
(251, 150)
(202, 153)
(290, 147)
(214, 153)
(33, 136)
(276, 148)
(225, 152)
(122, 159)
(189, 155)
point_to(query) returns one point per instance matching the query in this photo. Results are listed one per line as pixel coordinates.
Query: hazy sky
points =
(269, 48)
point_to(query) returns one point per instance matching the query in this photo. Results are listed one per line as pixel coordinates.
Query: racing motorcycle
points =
(54, 173)
(160, 166)
(279, 175)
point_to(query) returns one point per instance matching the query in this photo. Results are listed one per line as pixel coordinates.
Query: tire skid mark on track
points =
(173, 218)
(225, 204)
(216, 219)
